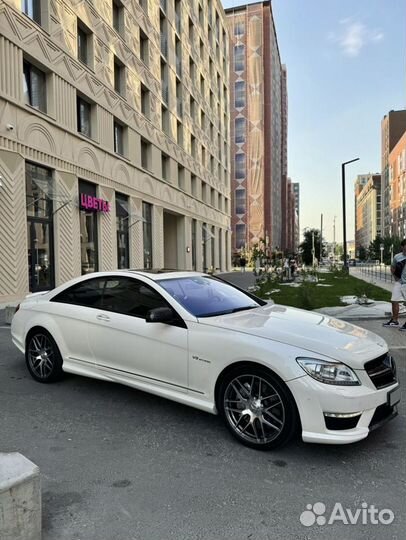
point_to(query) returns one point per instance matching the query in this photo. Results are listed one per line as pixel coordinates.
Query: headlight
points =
(329, 372)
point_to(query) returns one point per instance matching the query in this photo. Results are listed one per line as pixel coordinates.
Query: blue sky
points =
(346, 69)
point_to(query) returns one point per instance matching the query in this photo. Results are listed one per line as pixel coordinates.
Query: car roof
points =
(158, 274)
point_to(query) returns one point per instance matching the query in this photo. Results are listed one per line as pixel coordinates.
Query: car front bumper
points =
(315, 399)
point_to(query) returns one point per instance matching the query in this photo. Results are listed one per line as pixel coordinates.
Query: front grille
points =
(382, 414)
(382, 371)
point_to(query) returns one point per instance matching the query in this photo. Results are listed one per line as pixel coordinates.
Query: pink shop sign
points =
(89, 202)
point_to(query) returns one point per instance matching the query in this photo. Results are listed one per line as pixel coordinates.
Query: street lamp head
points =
(351, 161)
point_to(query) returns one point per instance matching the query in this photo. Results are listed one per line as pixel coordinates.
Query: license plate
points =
(394, 397)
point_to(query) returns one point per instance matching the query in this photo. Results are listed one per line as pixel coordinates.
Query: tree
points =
(307, 246)
(362, 253)
(391, 244)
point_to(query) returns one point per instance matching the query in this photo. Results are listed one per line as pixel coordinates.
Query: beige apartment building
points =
(367, 209)
(114, 139)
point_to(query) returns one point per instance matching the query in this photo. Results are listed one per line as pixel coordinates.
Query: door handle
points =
(101, 317)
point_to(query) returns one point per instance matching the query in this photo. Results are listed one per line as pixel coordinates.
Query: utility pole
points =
(334, 239)
(321, 239)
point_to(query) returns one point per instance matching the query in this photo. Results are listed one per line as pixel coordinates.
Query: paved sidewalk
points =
(375, 280)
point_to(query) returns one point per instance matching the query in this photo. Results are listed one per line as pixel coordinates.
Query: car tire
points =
(257, 408)
(42, 356)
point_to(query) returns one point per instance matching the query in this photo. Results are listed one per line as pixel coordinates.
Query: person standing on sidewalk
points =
(398, 269)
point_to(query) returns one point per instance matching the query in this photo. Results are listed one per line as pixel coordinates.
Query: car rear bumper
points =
(353, 410)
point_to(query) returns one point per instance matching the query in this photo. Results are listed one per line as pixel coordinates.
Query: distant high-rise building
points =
(258, 126)
(397, 182)
(393, 126)
(367, 209)
(296, 192)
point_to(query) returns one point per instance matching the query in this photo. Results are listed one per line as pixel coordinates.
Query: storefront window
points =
(147, 234)
(193, 244)
(88, 232)
(39, 185)
(123, 259)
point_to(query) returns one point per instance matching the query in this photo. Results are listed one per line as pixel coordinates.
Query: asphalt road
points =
(118, 464)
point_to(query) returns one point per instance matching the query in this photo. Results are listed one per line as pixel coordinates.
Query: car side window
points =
(88, 293)
(129, 296)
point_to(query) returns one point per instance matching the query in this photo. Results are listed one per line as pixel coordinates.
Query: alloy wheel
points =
(254, 409)
(41, 356)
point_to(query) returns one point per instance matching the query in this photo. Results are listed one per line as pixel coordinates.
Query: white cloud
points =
(354, 36)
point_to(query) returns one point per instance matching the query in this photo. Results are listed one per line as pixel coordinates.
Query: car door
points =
(73, 310)
(125, 345)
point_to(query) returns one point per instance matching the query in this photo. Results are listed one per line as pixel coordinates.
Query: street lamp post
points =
(344, 217)
(381, 248)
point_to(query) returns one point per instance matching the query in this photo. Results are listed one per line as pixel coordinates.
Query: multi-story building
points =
(114, 138)
(397, 182)
(393, 126)
(296, 193)
(367, 209)
(258, 126)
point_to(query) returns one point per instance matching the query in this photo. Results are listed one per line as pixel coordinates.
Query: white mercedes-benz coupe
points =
(268, 370)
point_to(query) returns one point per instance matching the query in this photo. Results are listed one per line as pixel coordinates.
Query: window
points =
(181, 177)
(122, 226)
(240, 240)
(129, 296)
(144, 48)
(83, 42)
(88, 293)
(147, 233)
(191, 32)
(118, 138)
(145, 154)
(194, 227)
(118, 16)
(165, 124)
(88, 232)
(239, 130)
(144, 5)
(204, 296)
(240, 201)
(165, 166)
(193, 181)
(119, 76)
(34, 84)
(239, 29)
(213, 197)
(84, 111)
(239, 94)
(193, 145)
(32, 8)
(240, 166)
(179, 134)
(239, 58)
(145, 101)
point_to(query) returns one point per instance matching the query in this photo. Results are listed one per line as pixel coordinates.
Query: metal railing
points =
(376, 271)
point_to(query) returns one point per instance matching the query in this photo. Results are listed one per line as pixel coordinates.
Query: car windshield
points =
(204, 296)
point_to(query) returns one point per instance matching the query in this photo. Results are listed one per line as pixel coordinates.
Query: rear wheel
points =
(257, 408)
(44, 361)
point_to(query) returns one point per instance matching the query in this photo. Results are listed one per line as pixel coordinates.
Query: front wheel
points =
(44, 361)
(257, 408)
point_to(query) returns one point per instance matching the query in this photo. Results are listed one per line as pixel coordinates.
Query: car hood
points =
(309, 330)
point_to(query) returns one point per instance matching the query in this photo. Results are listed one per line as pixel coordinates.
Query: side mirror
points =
(160, 315)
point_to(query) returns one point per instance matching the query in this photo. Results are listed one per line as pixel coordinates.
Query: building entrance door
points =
(40, 255)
